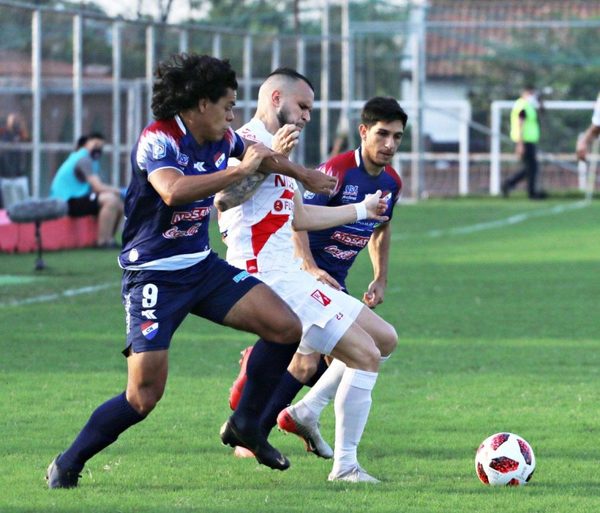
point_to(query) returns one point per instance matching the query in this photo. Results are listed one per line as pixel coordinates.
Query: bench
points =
(63, 233)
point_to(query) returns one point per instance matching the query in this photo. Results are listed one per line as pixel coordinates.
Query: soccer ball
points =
(504, 459)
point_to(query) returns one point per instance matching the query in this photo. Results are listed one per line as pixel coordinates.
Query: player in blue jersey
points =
(179, 162)
(329, 254)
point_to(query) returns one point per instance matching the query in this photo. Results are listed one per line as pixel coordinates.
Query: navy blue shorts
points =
(156, 302)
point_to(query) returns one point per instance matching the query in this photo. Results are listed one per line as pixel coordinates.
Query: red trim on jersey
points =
(268, 225)
(338, 166)
(389, 170)
(167, 126)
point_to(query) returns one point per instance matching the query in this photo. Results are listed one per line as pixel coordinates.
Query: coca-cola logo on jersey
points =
(196, 214)
(341, 254)
(350, 239)
(176, 233)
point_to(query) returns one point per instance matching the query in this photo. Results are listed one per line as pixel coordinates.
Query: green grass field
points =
(496, 305)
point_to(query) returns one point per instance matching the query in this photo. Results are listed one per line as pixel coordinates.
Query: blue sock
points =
(102, 429)
(267, 363)
(287, 388)
(322, 367)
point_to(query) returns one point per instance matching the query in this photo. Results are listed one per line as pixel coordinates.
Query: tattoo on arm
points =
(239, 192)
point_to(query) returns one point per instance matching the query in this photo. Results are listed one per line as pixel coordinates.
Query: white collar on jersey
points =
(180, 124)
(357, 156)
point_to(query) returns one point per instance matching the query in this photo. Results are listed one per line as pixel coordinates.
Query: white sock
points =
(321, 394)
(352, 406)
(323, 391)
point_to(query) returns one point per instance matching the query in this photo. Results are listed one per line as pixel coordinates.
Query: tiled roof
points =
(463, 33)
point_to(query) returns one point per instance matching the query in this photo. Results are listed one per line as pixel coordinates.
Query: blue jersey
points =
(335, 249)
(157, 236)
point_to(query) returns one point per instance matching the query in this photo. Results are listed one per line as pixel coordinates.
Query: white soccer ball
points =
(504, 459)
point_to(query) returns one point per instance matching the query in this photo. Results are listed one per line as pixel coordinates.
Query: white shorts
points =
(325, 313)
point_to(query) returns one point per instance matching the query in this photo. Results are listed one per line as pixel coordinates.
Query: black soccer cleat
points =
(263, 451)
(59, 478)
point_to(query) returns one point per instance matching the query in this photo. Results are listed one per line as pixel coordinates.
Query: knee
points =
(364, 355)
(388, 340)
(144, 399)
(371, 357)
(303, 367)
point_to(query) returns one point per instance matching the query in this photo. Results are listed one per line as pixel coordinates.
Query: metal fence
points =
(70, 72)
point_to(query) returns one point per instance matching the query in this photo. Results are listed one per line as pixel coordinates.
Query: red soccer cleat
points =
(235, 392)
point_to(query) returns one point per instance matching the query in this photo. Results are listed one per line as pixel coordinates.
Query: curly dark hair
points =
(185, 79)
(381, 108)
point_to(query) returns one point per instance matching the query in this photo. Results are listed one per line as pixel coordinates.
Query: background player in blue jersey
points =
(330, 255)
(179, 162)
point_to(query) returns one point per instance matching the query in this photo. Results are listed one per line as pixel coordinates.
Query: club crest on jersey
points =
(159, 150)
(309, 195)
(219, 159)
(149, 329)
(350, 192)
(320, 297)
(182, 159)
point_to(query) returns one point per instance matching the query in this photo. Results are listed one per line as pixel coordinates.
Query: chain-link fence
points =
(66, 73)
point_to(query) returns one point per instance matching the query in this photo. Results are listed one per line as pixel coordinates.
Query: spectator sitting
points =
(77, 181)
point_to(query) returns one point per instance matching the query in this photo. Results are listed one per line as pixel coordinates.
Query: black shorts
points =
(83, 206)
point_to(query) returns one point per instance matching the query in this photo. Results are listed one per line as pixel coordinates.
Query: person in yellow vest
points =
(525, 133)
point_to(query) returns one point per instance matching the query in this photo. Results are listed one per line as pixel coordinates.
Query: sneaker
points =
(353, 475)
(59, 478)
(309, 433)
(263, 451)
(235, 392)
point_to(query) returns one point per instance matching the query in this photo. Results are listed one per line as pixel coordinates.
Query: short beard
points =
(282, 117)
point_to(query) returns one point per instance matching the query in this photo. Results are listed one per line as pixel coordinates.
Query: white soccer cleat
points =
(353, 475)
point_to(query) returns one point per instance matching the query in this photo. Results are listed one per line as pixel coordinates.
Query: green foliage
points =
(498, 331)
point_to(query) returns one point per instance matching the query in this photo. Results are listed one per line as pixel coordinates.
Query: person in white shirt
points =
(256, 220)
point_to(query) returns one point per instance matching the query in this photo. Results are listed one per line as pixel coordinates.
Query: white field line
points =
(53, 297)
(498, 223)
(459, 230)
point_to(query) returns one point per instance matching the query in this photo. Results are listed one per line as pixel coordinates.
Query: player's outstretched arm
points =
(315, 217)
(236, 193)
(379, 252)
(313, 180)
